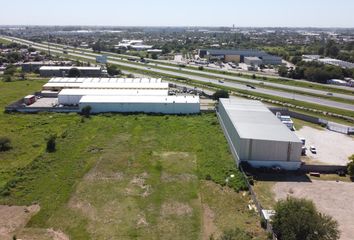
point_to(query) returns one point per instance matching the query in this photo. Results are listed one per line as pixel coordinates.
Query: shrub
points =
(51, 143)
(86, 111)
(5, 144)
(350, 166)
(220, 94)
(201, 68)
(235, 234)
(7, 78)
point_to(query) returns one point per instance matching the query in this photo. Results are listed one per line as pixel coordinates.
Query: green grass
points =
(79, 187)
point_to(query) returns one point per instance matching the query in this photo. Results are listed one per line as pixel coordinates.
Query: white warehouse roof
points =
(161, 85)
(253, 120)
(105, 80)
(139, 99)
(112, 92)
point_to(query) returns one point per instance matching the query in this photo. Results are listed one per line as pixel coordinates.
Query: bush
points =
(236, 234)
(74, 72)
(51, 143)
(7, 78)
(220, 94)
(86, 111)
(297, 219)
(5, 144)
(350, 166)
(201, 68)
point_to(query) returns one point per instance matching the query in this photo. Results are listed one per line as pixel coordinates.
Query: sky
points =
(242, 13)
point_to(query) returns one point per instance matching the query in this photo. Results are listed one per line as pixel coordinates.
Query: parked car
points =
(313, 149)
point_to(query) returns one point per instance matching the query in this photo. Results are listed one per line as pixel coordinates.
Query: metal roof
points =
(253, 120)
(104, 80)
(140, 99)
(112, 92)
(125, 85)
(68, 68)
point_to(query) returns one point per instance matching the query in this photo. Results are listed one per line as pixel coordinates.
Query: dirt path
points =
(209, 227)
(14, 218)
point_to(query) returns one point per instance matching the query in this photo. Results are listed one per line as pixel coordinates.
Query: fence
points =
(340, 128)
(336, 127)
(258, 205)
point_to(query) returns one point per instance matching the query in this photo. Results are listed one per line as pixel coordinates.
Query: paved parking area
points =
(44, 102)
(332, 148)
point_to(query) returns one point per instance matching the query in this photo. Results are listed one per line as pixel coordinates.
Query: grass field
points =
(121, 176)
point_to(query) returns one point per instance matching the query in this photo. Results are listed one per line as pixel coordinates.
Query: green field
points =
(121, 176)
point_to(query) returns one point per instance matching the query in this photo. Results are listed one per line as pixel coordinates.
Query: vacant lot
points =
(121, 176)
(332, 148)
(332, 198)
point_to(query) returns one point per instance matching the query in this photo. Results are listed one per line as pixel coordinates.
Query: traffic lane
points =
(324, 93)
(233, 85)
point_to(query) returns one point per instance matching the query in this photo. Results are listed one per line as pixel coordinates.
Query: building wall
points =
(63, 73)
(165, 108)
(260, 153)
(233, 58)
(253, 61)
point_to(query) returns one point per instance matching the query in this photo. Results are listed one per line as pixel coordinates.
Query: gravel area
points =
(332, 148)
(332, 198)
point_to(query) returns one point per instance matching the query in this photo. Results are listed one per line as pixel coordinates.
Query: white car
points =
(313, 149)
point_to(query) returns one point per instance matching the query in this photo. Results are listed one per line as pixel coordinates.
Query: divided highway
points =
(210, 78)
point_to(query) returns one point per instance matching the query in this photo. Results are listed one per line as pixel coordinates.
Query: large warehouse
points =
(143, 104)
(239, 55)
(57, 84)
(257, 136)
(73, 96)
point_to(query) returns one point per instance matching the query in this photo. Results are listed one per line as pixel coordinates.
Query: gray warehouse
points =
(257, 136)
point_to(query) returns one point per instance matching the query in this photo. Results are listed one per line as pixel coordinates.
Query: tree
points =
(350, 166)
(220, 94)
(154, 56)
(10, 70)
(298, 219)
(113, 70)
(253, 76)
(283, 71)
(51, 143)
(201, 68)
(86, 111)
(5, 144)
(7, 78)
(74, 72)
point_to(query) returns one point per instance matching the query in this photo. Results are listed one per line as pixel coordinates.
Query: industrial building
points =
(58, 84)
(253, 61)
(257, 136)
(63, 71)
(73, 96)
(239, 56)
(35, 66)
(143, 104)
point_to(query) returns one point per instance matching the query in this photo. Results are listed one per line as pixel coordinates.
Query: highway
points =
(281, 87)
(283, 94)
